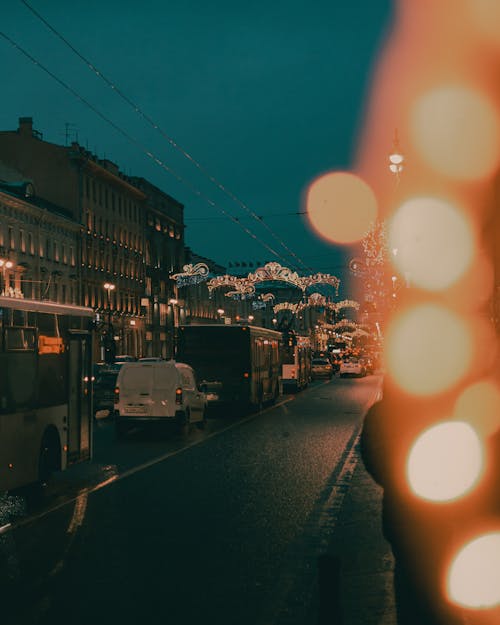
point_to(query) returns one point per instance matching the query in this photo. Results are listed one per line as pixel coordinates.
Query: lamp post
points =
(220, 312)
(396, 159)
(109, 339)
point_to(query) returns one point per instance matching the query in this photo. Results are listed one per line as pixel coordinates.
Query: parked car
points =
(163, 392)
(104, 387)
(125, 358)
(321, 368)
(351, 366)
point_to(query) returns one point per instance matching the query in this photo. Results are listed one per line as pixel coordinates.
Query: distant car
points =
(104, 387)
(125, 358)
(163, 392)
(321, 368)
(351, 366)
(368, 365)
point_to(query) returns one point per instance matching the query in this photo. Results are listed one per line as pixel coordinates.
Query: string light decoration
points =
(347, 303)
(271, 272)
(295, 308)
(191, 274)
(267, 297)
(373, 267)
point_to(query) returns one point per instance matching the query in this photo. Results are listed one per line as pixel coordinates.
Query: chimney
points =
(26, 125)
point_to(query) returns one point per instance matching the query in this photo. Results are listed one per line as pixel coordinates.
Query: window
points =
(22, 241)
(11, 238)
(31, 243)
(47, 249)
(72, 256)
(19, 339)
(56, 251)
(64, 254)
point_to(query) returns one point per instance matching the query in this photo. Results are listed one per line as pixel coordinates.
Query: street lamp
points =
(396, 159)
(109, 339)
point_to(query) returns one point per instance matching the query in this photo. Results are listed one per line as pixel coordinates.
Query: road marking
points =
(133, 470)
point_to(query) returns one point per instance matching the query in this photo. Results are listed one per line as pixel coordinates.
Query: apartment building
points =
(116, 215)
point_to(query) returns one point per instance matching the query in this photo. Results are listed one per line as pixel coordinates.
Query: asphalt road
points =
(223, 526)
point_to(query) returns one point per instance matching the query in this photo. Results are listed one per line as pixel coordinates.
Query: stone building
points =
(38, 246)
(163, 256)
(117, 215)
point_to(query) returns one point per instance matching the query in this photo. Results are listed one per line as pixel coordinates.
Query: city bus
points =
(236, 364)
(45, 389)
(296, 368)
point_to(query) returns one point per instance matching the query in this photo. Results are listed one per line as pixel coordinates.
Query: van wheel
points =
(201, 425)
(185, 423)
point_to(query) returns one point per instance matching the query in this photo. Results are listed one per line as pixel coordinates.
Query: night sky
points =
(264, 96)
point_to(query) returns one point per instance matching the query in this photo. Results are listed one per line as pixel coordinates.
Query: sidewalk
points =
(366, 594)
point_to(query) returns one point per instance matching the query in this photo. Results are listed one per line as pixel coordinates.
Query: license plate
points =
(212, 397)
(141, 410)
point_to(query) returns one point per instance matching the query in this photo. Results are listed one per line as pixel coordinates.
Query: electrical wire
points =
(170, 140)
(143, 148)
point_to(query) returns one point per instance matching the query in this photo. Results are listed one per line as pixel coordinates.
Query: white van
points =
(158, 391)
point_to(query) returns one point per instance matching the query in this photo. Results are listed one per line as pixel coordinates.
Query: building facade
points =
(38, 246)
(163, 257)
(130, 237)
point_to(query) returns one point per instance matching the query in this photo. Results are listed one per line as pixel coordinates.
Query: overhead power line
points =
(143, 148)
(170, 140)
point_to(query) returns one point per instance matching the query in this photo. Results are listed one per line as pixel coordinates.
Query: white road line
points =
(132, 471)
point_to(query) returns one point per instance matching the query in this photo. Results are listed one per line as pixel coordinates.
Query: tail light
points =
(178, 395)
(117, 394)
(246, 374)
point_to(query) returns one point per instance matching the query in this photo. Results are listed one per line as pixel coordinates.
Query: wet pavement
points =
(361, 557)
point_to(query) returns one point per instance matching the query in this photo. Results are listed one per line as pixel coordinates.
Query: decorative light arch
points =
(271, 272)
(347, 303)
(191, 274)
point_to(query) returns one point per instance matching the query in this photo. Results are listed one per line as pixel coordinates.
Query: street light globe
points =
(220, 311)
(396, 158)
(109, 286)
(395, 168)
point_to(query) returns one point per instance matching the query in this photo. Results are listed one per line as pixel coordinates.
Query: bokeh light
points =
(479, 405)
(434, 241)
(474, 573)
(445, 462)
(485, 16)
(428, 349)
(341, 207)
(457, 132)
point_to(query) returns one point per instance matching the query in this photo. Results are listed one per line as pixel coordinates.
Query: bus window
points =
(19, 339)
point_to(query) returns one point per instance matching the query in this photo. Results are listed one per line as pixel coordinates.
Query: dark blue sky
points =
(265, 95)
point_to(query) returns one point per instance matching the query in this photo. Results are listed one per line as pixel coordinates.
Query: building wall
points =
(42, 246)
(110, 211)
(45, 164)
